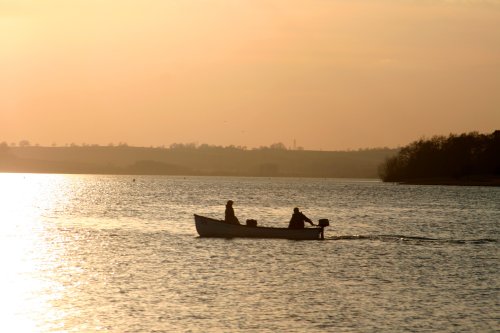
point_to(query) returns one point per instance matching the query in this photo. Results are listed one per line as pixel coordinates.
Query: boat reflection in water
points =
(208, 227)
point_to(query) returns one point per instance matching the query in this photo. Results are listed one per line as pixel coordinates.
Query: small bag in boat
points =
(251, 223)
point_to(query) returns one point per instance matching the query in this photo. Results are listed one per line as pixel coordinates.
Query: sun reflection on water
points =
(27, 253)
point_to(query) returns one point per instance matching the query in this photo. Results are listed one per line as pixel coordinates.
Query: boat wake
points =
(402, 238)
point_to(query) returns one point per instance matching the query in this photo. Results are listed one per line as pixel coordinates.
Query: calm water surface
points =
(105, 253)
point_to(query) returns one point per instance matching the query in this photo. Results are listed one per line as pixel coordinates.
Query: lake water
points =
(85, 253)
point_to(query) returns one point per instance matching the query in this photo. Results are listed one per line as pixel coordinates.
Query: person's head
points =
(295, 210)
(229, 203)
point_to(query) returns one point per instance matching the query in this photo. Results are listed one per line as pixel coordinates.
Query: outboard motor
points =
(323, 223)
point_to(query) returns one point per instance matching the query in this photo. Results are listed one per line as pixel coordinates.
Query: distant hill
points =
(194, 160)
(466, 159)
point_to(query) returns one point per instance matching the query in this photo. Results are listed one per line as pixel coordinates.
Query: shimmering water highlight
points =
(104, 253)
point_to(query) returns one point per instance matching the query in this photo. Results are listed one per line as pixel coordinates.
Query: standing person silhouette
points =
(229, 215)
(298, 219)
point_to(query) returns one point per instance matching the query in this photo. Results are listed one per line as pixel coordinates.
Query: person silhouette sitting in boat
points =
(298, 219)
(229, 215)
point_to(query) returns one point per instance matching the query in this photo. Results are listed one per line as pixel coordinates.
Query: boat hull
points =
(208, 227)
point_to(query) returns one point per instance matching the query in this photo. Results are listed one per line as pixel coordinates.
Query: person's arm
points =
(307, 219)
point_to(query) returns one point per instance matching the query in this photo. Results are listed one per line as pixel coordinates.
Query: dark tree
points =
(456, 156)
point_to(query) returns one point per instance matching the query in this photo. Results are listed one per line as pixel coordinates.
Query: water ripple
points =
(402, 238)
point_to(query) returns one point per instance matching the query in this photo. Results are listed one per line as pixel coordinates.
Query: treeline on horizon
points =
(468, 156)
(191, 159)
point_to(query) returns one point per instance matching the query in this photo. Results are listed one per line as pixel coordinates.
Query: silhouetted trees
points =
(204, 146)
(4, 148)
(455, 156)
(24, 143)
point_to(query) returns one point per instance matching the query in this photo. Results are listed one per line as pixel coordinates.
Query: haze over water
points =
(105, 253)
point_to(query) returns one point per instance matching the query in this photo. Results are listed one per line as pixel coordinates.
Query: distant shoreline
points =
(471, 181)
(196, 161)
(137, 175)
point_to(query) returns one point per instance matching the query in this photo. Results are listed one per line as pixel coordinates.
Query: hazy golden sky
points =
(331, 74)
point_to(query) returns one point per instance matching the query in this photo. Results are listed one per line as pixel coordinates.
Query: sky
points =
(319, 74)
